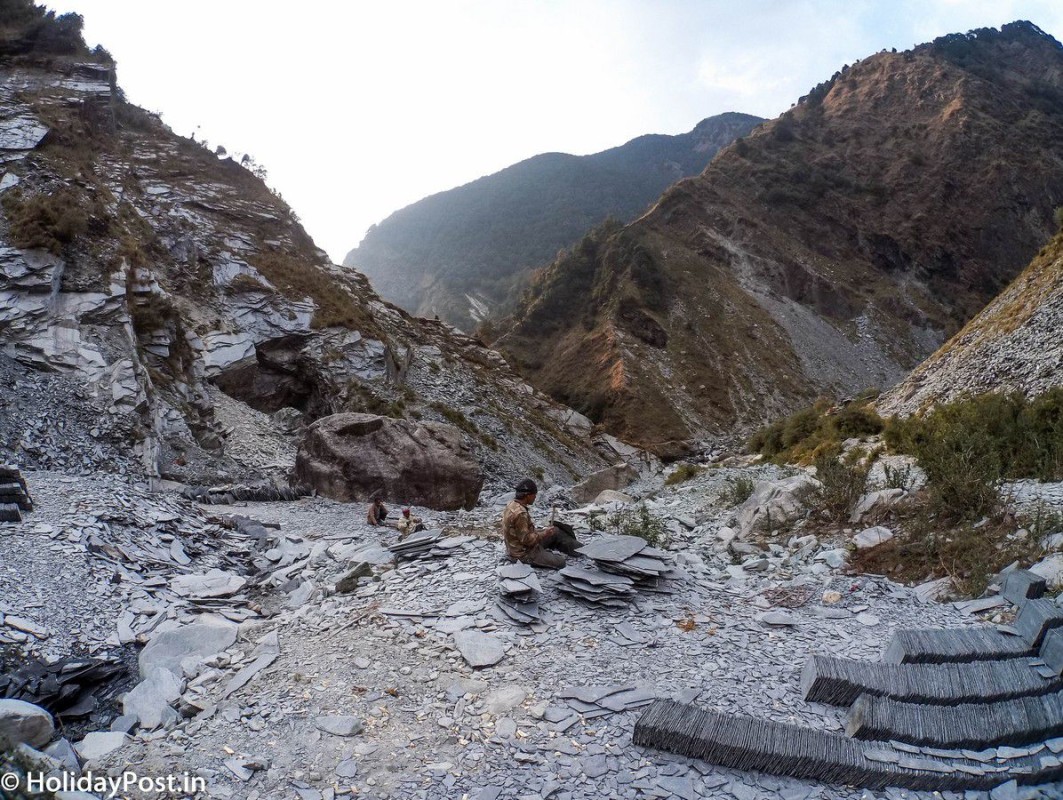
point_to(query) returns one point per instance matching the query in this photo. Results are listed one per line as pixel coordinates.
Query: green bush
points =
(820, 427)
(643, 524)
(46, 221)
(738, 490)
(968, 446)
(844, 481)
(684, 472)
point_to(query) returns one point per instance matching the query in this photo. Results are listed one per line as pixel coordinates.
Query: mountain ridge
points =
(461, 252)
(820, 254)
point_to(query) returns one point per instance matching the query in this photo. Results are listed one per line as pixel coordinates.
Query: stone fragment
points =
(24, 722)
(99, 744)
(501, 700)
(349, 582)
(774, 503)
(872, 537)
(216, 583)
(150, 700)
(871, 501)
(340, 724)
(479, 649)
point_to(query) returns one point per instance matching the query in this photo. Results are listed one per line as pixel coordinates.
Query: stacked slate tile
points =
(519, 589)
(597, 587)
(631, 557)
(966, 725)
(1036, 618)
(942, 645)
(1022, 585)
(14, 494)
(427, 544)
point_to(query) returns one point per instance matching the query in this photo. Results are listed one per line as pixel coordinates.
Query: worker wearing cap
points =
(407, 524)
(523, 541)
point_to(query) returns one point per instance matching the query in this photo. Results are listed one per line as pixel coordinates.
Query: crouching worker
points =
(408, 524)
(524, 542)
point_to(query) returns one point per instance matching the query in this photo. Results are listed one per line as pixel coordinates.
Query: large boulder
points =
(774, 503)
(619, 476)
(348, 457)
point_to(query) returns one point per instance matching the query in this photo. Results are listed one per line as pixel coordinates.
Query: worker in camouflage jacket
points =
(525, 543)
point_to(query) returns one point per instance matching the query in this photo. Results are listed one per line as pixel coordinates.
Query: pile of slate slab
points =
(14, 494)
(598, 701)
(427, 544)
(623, 564)
(71, 688)
(518, 590)
(950, 709)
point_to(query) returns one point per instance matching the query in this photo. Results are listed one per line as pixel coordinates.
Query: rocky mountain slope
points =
(831, 250)
(460, 253)
(1013, 344)
(157, 303)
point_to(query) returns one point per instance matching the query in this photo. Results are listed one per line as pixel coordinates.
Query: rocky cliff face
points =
(152, 294)
(1013, 345)
(461, 253)
(830, 250)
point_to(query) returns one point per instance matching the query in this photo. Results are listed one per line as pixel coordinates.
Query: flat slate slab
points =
(479, 649)
(1022, 585)
(616, 548)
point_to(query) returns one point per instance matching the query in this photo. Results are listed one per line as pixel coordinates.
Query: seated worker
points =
(408, 524)
(378, 512)
(524, 542)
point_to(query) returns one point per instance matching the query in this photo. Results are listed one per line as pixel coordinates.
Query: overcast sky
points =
(357, 109)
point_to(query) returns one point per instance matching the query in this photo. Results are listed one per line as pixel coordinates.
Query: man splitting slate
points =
(525, 543)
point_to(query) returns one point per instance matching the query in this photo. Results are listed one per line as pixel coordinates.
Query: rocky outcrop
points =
(1013, 345)
(619, 476)
(165, 273)
(348, 457)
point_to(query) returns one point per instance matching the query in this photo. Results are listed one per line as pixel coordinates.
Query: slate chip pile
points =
(519, 590)
(941, 645)
(975, 725)
(427, 544)
(14, 494)
(227, 495)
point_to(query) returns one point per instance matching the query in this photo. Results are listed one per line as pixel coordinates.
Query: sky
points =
(359, 108)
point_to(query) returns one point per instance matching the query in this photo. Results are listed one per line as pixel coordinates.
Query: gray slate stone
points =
(195, 641)
(479, 649)
(340, 724)
(24, 722)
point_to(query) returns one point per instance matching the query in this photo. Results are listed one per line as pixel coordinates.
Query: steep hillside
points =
(461, 253)
(159, 300)
(1014, 344)
(831, 250)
